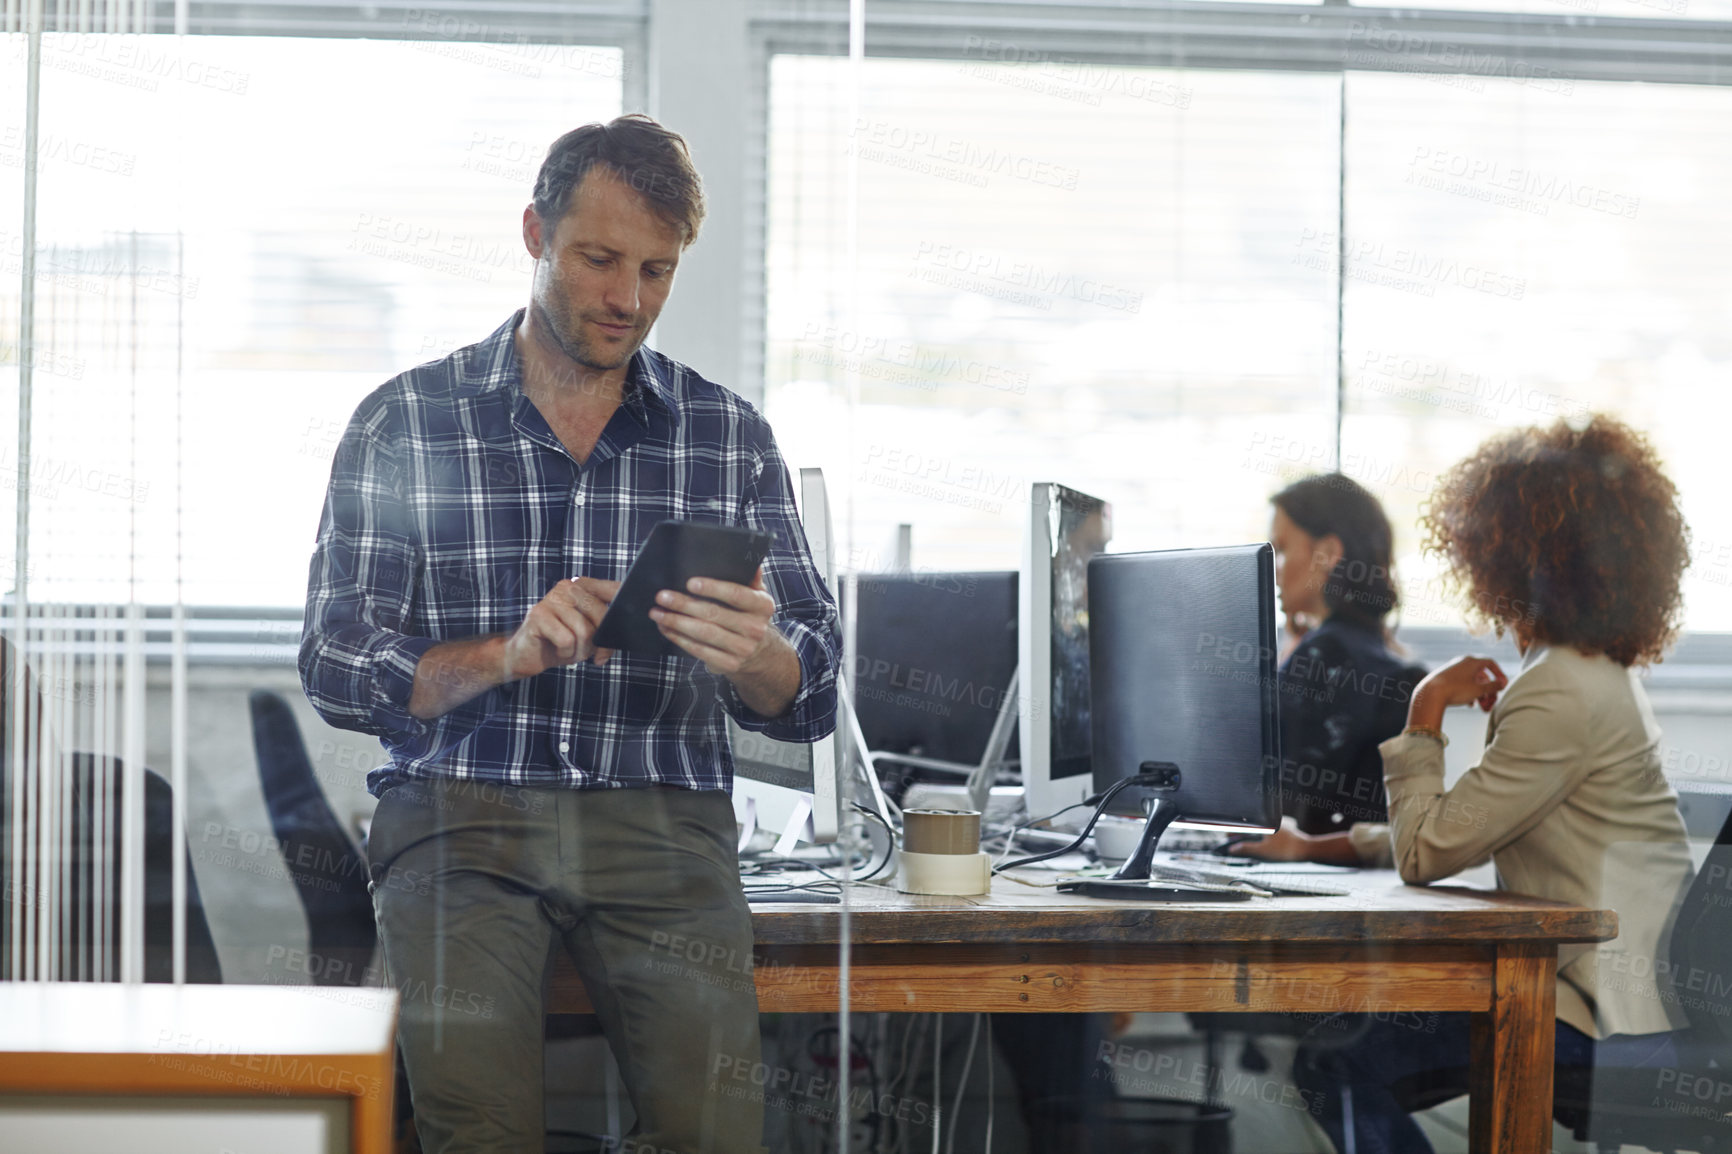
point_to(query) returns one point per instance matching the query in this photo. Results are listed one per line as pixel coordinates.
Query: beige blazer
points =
(1569, 802)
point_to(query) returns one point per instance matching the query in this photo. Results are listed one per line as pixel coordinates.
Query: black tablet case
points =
(675, 552)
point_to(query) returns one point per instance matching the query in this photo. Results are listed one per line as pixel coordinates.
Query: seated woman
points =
(1342, 688)
(1570, 538)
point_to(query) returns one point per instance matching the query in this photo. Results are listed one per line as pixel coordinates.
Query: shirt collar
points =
(1536, 650)
(645, 380)
(492, 365)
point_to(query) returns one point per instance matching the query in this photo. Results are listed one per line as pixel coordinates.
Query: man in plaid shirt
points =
(541, 791)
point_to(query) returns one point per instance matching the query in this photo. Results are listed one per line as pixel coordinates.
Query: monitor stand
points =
(1131, 882)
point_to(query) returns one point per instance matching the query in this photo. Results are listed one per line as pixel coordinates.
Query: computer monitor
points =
(1066, 529)
(1182, 661)
(934, 654)
(819, 769)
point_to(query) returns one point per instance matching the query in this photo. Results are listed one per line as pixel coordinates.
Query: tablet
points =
(675, 552)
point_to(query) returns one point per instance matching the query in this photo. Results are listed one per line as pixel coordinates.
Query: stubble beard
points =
(552, 321)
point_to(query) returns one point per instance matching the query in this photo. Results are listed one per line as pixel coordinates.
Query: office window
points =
(1515, 254)
(1626, 9)
(1104, 283)
(288, 221)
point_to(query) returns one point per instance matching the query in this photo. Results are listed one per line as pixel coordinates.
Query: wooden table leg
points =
(1511, 1108)
(372, 1118)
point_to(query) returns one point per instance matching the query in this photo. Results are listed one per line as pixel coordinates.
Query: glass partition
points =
(969, 261)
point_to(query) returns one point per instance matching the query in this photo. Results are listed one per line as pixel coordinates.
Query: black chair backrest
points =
(329, 871)
(1700, 971)
(73, 861)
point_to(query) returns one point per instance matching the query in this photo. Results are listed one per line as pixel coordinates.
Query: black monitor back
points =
(1182, 662)
(933, 656)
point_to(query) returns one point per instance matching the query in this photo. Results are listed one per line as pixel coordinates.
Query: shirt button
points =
(577, 498)
(565, 747)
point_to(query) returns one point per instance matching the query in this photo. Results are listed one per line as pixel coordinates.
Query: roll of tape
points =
(941, 831)
(958, 874)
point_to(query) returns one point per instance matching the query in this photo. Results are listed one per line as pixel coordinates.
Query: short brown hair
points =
(1571, 532)
(650, 160)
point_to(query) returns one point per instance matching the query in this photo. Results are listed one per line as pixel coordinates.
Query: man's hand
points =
(1462, 681)
(727, 627)
(560, 630)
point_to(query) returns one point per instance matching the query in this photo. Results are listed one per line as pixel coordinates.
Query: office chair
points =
(73, 859)
(1688, 1107)
(76, 864)
(329, 870)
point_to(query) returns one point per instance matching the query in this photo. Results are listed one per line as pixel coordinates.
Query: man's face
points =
(604, 273)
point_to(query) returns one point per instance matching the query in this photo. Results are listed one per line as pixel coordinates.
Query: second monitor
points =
(1066, 530)
(933, 658)
(1182, 657)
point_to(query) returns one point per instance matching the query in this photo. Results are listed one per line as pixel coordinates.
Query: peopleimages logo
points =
(1030, 283)
(1522, 187)
(1401, 267)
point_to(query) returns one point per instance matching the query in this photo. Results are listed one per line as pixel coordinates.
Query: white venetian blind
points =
(225, 241)
(1519, 252)
(1092, 275)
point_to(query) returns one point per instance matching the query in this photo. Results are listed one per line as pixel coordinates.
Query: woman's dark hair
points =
(1361, 587)
(634, 150)
(1572, 533)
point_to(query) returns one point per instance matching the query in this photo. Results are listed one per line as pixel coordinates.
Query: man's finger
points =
(592, 607)
(676, 602)
(741, 597)
(556, 633)
(733, 620)
(737, 632)
(603, 591)
(718, 660)
(708, 633)
(579, 622)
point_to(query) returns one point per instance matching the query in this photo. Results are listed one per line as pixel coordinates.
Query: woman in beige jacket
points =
(1571, 539)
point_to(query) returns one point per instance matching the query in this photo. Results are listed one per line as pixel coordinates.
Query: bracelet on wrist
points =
(1426, 731)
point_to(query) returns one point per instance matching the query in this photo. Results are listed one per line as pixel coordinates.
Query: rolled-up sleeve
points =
(357, 662)
(1370, 840)
(805, 612)
(1533, 758)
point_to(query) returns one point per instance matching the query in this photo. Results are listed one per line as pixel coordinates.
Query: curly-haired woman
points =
(1570, 538)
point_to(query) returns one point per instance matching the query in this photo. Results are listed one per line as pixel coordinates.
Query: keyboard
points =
(1296, 885)
(1194, 878)
(1274, 882)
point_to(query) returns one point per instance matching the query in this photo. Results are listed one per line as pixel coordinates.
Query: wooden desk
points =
(90, 1038)
(1385, 948)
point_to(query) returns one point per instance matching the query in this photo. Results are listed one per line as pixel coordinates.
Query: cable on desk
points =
(771, 863)
(831, 887)
(1010, 835)
(888, 854)
(1135, 779)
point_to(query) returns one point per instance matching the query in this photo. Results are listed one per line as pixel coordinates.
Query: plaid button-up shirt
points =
(453, 509)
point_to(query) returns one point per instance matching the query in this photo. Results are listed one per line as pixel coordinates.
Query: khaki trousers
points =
(475, 884)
